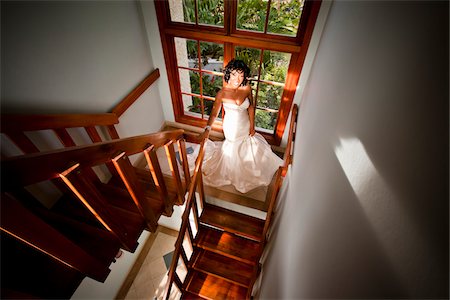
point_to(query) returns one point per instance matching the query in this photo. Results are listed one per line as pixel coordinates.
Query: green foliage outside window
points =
(283, 18)
(210, 12)
(211, 85)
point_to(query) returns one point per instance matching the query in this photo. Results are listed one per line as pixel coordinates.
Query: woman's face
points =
(236, 78)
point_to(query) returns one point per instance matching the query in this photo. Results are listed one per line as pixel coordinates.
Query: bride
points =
(244, 159)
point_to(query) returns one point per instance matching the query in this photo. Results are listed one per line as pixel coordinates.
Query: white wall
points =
(152, 30)
(77, 57)
(366, 212)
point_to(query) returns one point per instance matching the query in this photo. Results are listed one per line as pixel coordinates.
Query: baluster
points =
(183, 155)
(184, 257)
(112, 132)
(201, 190)
(22, 224)
(158, 177)
(93, 134)
(190, 234)
(95, 138)
(88, 194)
(170, 153)
(178, 282)
(64, 137)
(22, 141)
(129, 178)
(67, 141)
(195, 210)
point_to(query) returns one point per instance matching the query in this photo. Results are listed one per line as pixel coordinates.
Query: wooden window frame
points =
(229, 36)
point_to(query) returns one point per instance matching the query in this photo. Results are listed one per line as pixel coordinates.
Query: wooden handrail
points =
(291, 138)
(15, 123)
(31, 168)
(120, 108)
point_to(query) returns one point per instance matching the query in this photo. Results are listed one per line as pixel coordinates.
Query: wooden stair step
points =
(145, 176)
(71, 207)
(117, 196)
(223, 267)
(228, 244)
(234, 222)
(121, 198)
(190, 296)
(212, 287)
(99, 243)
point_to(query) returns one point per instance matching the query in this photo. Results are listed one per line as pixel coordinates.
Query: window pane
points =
(193, 107)
(186, 53)
(211, 84)
(251, 57)
(285, 16)
(269, 96)
(251, 15)
(275, 66)
(212, 56)
(210, 12)
(185, 81)
(265, 120)
(182, 11)
(189, 81)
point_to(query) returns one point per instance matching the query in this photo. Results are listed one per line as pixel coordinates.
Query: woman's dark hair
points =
(239, 65)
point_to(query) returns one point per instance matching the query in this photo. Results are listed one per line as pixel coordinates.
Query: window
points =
(271, 36)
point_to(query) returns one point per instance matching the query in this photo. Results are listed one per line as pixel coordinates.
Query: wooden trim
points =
(247, 39)
(14, 123)
(120, 108)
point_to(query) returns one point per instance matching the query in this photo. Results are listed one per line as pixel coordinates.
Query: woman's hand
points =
(252, 131)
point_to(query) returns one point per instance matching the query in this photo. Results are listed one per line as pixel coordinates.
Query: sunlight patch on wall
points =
(391, 223)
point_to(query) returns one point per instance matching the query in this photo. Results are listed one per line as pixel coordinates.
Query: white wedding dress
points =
(244, 161)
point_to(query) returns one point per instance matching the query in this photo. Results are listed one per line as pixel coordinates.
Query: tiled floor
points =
(149, 280)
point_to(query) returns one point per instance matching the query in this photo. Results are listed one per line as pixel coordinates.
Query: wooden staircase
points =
(83, 231)
(226, 246)
(48, 249)
(225, 260)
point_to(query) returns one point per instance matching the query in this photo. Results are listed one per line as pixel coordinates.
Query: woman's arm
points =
(214, 112)
(251, 112)
(216, 108)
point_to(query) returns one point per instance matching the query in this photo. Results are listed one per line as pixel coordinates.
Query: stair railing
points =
(288, 153)
(191, 206)
(69, 166)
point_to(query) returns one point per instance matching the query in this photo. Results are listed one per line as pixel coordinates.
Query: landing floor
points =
(148, 277)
